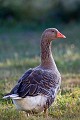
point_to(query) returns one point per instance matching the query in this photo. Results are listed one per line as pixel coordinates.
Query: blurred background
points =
(21, 25)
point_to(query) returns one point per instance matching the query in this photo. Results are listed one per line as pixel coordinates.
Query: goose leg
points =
(46, 113)
(27, 114)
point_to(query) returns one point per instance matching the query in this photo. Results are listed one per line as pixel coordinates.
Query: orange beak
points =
(60, 35)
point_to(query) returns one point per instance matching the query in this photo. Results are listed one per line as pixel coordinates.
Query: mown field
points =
(20, 50)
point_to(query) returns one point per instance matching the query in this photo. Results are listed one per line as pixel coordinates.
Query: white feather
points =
(35, 103)
(10, 96)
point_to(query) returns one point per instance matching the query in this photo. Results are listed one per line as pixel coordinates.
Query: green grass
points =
(20, 50)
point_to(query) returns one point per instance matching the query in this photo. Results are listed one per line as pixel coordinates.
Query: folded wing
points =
(35, 82)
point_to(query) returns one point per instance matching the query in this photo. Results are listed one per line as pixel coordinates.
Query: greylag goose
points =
(36, 90)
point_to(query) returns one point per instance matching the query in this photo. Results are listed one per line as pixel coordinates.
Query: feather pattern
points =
(35, 82)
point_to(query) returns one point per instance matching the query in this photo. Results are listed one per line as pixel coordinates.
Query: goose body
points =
(36, 90)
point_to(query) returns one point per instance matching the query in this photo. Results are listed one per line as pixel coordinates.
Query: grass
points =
(19, 50)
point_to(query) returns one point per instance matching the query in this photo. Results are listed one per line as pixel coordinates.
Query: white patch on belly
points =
(30, 103)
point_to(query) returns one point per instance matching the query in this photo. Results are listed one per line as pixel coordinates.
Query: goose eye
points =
(52, 30)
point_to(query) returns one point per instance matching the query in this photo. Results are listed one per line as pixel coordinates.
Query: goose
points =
(37, 88)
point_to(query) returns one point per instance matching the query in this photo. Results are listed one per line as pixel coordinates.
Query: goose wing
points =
(35, 82)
